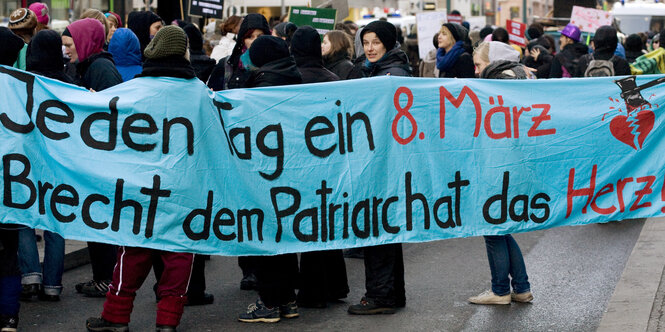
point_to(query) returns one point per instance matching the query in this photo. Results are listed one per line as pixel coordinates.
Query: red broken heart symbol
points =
(622, 129)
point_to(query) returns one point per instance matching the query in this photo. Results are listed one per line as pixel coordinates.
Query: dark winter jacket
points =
(229, 72)
(569, 58)
(98, 72)
(605, 42)
(394, 62)
(463, 68)
(340, 64)
(504, 69)
(306, 51)
(201, 62)
(278, 72)
(544, 63)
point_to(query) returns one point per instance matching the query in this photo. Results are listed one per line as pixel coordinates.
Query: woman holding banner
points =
(496, 60)
(84, 45)
(384, 264)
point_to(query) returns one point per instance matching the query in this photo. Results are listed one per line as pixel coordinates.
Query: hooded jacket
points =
(10, 46)
(605, 44)
(139, 23)
(44, 56)
(201, 62)
(95, 68)
(568, 58)
(394, 62)
(229, 73)
(306, 49)
(126, 51)
(504, 69)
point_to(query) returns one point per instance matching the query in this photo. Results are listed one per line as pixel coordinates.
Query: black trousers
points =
(384, 275)
(322, 277)
(102, 259)
(248, 265)
(9, 251)
(277, 278)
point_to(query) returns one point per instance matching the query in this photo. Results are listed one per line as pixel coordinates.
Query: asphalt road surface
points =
(572, 270)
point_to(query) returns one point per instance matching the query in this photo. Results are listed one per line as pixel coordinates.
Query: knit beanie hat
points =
(458, 32)
(384, 30)
(266, 49)
(285, 30)
(41, 11)
(170, 40)
(22, 19)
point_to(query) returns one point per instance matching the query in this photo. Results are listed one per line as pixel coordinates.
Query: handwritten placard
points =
(589, 19)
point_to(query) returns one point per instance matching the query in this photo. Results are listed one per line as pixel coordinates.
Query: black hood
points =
(605, 42)
(194, 36)
(250, 22)
(504, 69)
(139, 23)
(10, 46)
(306, 46)
(44, 55)
(44, 52)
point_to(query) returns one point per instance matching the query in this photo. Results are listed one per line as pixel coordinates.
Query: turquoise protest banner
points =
(166, 163)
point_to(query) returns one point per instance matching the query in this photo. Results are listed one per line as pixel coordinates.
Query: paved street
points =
(573, 273)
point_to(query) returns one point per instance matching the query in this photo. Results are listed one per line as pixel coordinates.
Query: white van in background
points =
(639, 16)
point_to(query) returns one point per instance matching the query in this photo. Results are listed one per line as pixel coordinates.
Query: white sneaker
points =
(488, 297)
(525, 297)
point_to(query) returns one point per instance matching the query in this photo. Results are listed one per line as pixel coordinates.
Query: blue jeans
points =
(54, 258)
(505, 260)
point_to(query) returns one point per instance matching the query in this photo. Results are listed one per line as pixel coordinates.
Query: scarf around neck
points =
(446, 60)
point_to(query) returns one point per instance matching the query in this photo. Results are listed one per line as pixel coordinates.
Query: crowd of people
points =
(99, 51)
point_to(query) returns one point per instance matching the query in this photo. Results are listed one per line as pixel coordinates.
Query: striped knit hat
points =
(169, 41)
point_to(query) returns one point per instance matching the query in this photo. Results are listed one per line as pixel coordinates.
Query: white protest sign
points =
(589, 19)
(428, 24)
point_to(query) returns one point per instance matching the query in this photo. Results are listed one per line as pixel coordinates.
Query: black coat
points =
(278, 72)
(463, 68)
(569, 57)
(98, 72)
(339, 64)
(202, 64)
(394, 62)
(605, 42)
(543, 65)
(312, 70)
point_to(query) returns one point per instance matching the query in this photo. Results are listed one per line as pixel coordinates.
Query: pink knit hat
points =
(41, 10)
